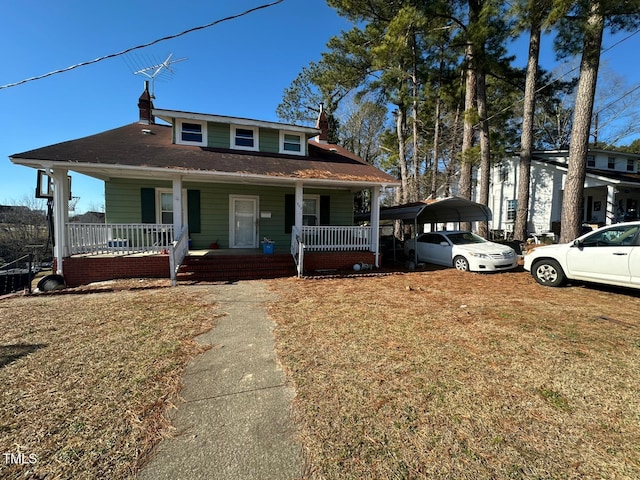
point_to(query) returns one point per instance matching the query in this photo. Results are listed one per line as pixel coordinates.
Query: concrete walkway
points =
(235, 422)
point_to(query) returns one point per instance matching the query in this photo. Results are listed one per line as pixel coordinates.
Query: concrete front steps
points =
(231, 268)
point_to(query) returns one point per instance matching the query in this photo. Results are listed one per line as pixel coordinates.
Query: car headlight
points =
(479, 255)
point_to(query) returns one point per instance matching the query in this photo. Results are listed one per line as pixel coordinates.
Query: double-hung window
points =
(591, 161)
(244, 138)
(164, 206)
(611, 163)
(291, 143)
(311, 210)
(191, 133)
(512, 206)
(630, 165)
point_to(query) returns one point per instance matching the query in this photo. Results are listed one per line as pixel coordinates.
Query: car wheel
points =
(461, 263)
(548, 273)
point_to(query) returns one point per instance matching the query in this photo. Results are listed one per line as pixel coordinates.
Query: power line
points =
(557, 79)
(138, 47)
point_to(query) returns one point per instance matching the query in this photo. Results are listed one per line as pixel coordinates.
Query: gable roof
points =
(141, 151)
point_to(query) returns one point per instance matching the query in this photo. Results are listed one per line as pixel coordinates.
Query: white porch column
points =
(60, 216)
(299, 205)
(375, 223)
(177, 205)
(611, 205)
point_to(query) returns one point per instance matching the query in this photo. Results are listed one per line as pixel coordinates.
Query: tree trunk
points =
(466, 160)
(526, 138)
(436, 149)
(576, 169)
(402, 154)
(468, 130)
(485, 149)
(415, 190)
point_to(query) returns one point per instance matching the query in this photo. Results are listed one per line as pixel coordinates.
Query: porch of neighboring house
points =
(98, 252)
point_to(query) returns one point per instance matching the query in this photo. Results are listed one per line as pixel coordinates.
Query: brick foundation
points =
(314, 261)
(84, 270)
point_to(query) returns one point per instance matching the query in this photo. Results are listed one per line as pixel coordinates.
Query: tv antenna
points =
(157, 69)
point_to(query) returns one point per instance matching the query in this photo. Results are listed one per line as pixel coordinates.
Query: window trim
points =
(203, 125)
(316, 198)
(256, 138)
(301, 152)
(185, 211)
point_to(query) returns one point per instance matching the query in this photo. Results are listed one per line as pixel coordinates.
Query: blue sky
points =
(237, 68)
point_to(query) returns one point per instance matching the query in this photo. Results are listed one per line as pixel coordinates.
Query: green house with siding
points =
(177, 183)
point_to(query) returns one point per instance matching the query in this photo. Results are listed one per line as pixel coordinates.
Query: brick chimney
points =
(323, 124)
(145, 104)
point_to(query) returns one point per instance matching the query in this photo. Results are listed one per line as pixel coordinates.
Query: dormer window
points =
(191, 133)
(244, 138)
(291, 143)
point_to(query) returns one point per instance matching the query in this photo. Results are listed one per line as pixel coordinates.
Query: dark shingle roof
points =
(130, 146)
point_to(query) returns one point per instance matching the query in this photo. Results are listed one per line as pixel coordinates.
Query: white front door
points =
(243, 217)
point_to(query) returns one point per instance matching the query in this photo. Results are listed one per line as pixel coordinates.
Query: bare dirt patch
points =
(87, 379)
(446, 374)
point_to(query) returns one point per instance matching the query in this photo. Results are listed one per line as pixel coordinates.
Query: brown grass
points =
(446, 374)
(87, 379)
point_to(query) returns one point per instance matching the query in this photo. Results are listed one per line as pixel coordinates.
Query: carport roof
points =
(451, 209)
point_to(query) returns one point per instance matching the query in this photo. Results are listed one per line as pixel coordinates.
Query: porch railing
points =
(119, 238)
(178, 250)
(297, 250)
(336, 238)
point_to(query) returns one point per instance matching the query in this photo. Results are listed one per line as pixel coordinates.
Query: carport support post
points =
(375, 224)
(415, 242)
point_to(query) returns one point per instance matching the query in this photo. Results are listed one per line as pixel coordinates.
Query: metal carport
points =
(445, 210)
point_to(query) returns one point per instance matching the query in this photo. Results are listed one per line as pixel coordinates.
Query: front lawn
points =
(446, 374)
(87, 379)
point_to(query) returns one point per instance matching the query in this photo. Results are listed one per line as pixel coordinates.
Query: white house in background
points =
(611, 189)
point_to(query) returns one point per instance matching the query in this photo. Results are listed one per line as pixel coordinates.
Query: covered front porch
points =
(99, 252)
(309, 220)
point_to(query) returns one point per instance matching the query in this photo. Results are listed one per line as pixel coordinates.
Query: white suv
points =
(609, 255)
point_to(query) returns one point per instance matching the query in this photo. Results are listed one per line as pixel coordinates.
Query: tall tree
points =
(534, 15)
(577, 166)
(590, 19)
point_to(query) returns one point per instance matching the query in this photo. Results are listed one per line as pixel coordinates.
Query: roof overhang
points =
(594, 177)
(106, 172)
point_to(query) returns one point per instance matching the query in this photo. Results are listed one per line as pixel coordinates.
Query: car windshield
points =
(465, 238)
